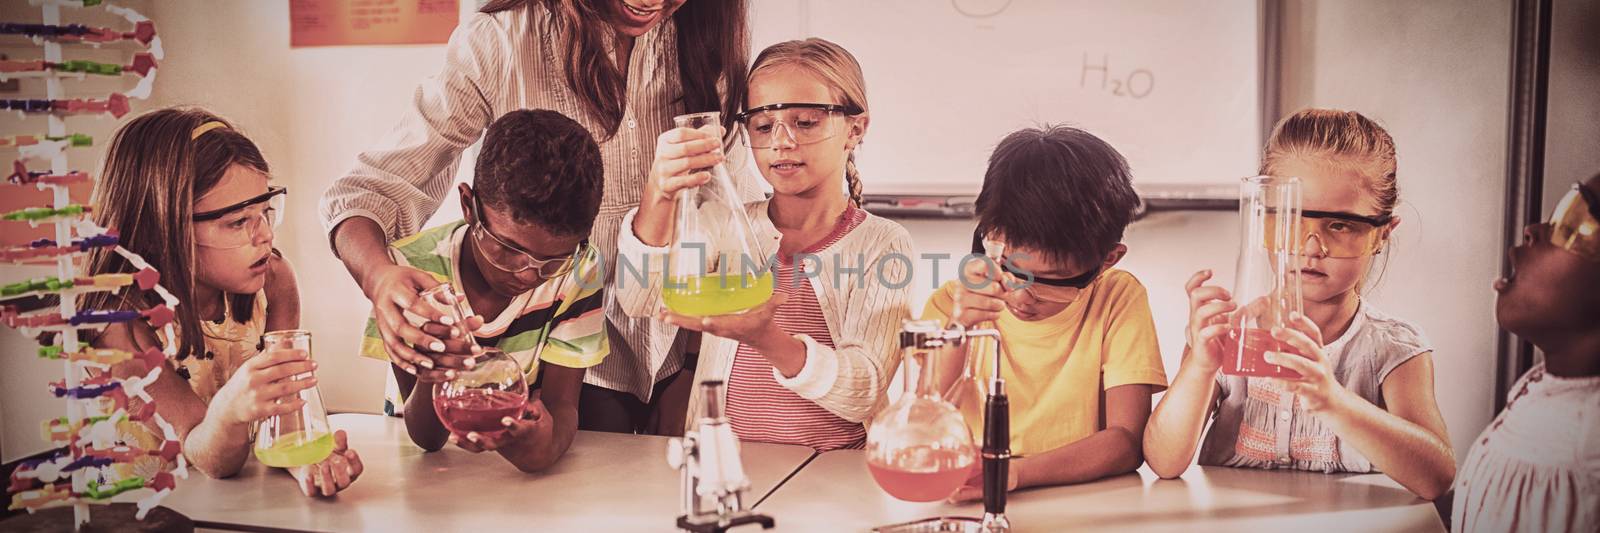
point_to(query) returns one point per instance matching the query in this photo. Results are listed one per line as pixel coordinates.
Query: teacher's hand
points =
(395, 292)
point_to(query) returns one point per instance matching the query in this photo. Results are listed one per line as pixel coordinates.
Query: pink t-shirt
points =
(763, 410)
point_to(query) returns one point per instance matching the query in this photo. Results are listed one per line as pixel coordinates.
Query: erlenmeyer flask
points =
(714, 264)
(300, 438)
(919, 449)
(1267, 280)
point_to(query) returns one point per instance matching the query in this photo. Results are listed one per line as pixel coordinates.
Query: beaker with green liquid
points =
(715, 265)
(300, 438)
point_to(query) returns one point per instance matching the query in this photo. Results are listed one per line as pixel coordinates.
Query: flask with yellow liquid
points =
(714, 265)
(300, 438)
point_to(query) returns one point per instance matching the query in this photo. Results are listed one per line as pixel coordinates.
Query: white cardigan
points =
(863, 315)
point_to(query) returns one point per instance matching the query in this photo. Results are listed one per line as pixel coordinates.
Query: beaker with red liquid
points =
(1267, 276)
(479, 397)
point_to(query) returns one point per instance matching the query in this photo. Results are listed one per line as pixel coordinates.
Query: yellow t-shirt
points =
(1057, 368)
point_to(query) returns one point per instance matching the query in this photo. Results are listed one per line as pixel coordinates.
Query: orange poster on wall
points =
(354, 22)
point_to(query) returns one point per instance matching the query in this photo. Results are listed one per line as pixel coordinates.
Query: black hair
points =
(1059, 190)
(543, 168)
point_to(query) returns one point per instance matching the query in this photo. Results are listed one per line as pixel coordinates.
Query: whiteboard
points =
(1173, 85)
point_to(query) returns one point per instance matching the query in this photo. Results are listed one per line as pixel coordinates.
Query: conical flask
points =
(1267, 276)
(300, 438)
(714, 264)
(919, 448)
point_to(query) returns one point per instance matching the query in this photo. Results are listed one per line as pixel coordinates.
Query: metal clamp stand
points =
(996, 448)
(707, 459)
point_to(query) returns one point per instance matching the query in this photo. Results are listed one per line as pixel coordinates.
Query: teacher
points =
(622, 69)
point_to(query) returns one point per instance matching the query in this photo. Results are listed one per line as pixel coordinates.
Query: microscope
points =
(713, 481)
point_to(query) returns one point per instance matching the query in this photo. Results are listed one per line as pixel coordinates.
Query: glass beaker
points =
(919, 449)
(494, 388)
(1267, 280)
(300, 438)
(714, 264)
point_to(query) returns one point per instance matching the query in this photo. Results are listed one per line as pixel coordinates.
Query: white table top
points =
(614, 482)
(605, 482)
(836, 493)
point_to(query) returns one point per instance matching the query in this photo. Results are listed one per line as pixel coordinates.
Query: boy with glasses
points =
(530, 282)
(1080, 354)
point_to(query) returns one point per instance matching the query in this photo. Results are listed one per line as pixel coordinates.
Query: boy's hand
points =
(985, 302)
(1209, 306)
(262, 387)
(333, 474)
(972, 490)
(535, 425)
(410, 325)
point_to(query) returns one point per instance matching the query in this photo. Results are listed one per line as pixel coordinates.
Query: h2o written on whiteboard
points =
(1098, 74)
(948, 79)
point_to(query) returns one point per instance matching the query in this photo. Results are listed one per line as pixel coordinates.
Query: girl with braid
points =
(811, 365)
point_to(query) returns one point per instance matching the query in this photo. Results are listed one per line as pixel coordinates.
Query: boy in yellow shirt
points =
(1081, 359)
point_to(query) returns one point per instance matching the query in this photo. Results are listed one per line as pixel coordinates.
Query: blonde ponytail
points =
(852, 179)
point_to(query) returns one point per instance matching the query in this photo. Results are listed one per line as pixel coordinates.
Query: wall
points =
(1572, 134)
(1435, 74)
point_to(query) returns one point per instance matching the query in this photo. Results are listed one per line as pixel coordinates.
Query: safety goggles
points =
(1337, 234)
(1575, 224)
(797, 124)
(1051, 290)
(508, 257)
(237, 225)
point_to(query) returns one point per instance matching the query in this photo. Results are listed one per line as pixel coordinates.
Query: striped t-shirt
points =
(763, 410)
(566, 315)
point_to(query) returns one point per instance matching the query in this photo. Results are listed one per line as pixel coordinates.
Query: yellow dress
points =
(227, 346)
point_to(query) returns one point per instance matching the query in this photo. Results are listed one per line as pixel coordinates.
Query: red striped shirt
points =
(760, 408)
